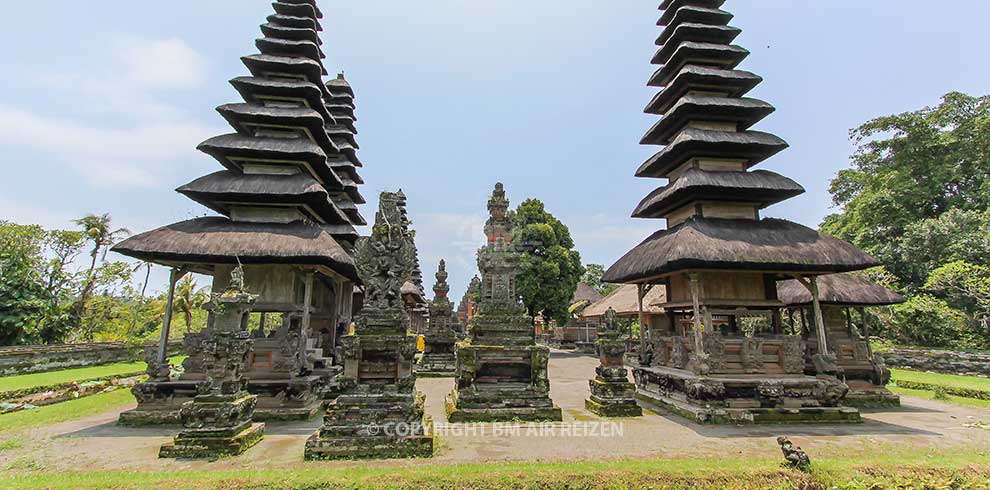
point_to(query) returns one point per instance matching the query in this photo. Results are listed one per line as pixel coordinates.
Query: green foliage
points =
(22, 288)
(550, 267)
(593, 277)
(61, 412)
(927, 321)
(188, 299)
(910, 170)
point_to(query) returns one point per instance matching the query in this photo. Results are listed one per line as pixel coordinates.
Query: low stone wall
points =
(30, 359)
(937, 361)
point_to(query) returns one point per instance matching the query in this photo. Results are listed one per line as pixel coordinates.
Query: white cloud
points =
(169, 63)
(130, 157)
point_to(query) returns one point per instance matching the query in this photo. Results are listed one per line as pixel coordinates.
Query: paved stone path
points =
(97, 443)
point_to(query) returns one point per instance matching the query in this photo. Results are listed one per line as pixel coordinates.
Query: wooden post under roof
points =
(174, 275)
(307, 312)
(699, 344)
(812, 284)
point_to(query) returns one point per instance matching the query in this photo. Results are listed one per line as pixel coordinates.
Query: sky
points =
(104, 103)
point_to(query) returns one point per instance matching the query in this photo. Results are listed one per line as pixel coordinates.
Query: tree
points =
(100, 232)
(188, 299)
(927, 321)
(967, 288)
(910, 169)
(550, 267)
(62, 247)
(22, 287)
(593, 277)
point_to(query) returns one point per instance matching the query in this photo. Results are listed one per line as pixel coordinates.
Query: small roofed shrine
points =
(719, 354)
(502, 375)
(442, 332)
(287, 201)
(578, 333)
(467, 307)
(219, 421)
(413, 292)
(379, 413)
(612, 395)
(844, 300)
(629, 308)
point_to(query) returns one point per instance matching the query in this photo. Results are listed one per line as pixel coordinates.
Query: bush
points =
(928, 321)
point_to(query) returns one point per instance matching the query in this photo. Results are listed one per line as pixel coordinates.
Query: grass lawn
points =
(902, 471)
(930, 395)
(62, 412)
(15, 383)
(947, 380)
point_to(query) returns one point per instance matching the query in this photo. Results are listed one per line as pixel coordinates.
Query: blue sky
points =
(104, 102)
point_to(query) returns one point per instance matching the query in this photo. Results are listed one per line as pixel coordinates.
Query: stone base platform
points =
(604, 408)
(373, 426)
(872, 398)
(437, 366)
(213, 447)
(502, 405)
(745, 399)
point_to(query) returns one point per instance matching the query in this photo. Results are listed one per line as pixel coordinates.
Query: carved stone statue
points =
(612, 395)
(794, 455)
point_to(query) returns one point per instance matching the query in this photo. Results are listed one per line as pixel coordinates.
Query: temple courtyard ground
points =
(919, 429)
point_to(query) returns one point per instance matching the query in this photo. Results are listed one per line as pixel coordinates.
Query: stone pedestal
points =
(439, 359)
(218, 421)
(612, 395)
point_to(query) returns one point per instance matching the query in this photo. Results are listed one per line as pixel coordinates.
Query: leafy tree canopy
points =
(909, 172)
(550, 267)
(593, 277)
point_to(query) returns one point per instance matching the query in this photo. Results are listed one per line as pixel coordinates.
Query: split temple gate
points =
(287, 200)
(719, 355)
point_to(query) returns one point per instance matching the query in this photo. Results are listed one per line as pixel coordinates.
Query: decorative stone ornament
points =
(438, 359)
(612, 395)
(379, 413)
(218, 421)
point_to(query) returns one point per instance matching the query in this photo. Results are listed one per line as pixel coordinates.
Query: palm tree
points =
(188, 299)
(147, 275)
(99, 231)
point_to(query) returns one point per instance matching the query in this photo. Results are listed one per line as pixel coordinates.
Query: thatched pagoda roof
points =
(624, 301)
(587, 293)
(741, 111)
(753, 146)
(761, 187)
(217, 240)
(839, 289)
(774, 245)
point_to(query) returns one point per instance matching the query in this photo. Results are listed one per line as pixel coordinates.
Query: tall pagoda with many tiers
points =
(719, 354)
(287, 202)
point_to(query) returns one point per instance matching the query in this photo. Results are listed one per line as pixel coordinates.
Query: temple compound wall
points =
(939, 361)
(31, 359)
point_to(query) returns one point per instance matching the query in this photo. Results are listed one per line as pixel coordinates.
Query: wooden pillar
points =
(262, 322)
(640, 294)
(305, 330)
(866, 330)
(699, 341)
(816, 306)
(173, 278)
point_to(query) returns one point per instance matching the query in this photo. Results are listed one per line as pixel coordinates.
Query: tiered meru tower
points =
(287, 200)
(442, 332)
(719, 354)
(502, 374)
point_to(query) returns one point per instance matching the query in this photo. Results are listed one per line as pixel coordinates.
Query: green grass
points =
(27, 381)
(947, 380)
(930, 395)
(902, 470)
(62, 412)
(11, 443)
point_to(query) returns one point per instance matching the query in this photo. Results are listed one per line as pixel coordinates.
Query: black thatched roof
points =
(289, 47)
(340, 87)
(721, 55)
(771, 245)
(297, 9)
(584, 292)
(260, 65)
(281, 31)
(676, 4)
(216, 240)
(295, 22)
(753, 146)
(220, 190)
(256, 90)
(246, 118)
(689, 31)
(735, 83)
(311, 3)
(744, 112)
(300, 152)
(693, 14)
(839, 289)
(761, 187)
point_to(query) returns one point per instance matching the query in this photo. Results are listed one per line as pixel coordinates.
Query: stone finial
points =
(386, 259)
